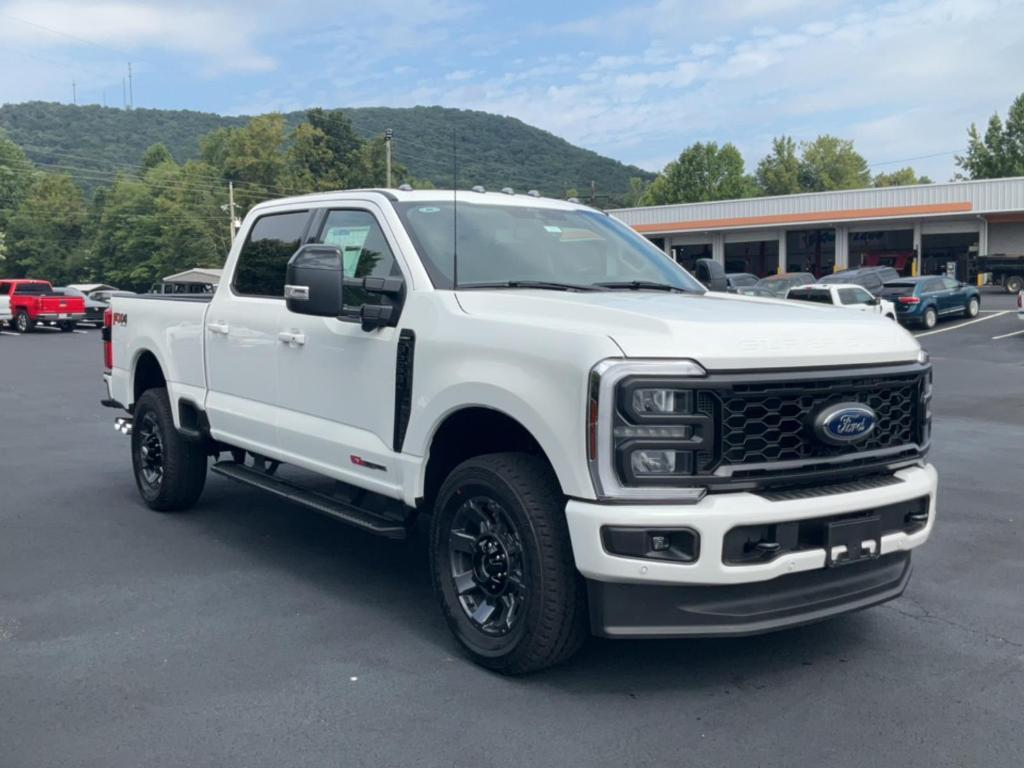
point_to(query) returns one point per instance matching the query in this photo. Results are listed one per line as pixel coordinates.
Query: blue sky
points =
(637, 82)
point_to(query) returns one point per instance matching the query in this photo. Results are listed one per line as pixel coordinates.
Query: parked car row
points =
(919, 301)
(26, 303)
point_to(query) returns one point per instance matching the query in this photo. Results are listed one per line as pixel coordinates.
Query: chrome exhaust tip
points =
(123, 424)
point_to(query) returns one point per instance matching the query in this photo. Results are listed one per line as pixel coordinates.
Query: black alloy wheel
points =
(485, 555)
(151, 452)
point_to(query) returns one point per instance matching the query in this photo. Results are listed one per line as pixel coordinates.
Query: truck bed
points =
(168, 327)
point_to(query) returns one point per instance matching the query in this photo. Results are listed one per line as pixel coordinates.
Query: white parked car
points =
(845, 295)
(5, 309)
(599, 444)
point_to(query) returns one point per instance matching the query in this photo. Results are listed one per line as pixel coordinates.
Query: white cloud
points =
(120, 27)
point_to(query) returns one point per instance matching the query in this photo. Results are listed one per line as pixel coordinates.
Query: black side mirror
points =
(874, 302)
(315, 277)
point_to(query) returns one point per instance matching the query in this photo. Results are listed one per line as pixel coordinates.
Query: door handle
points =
(291, 338)
(221, 328)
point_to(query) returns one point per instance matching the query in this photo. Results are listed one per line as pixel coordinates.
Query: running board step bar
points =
(339, 510)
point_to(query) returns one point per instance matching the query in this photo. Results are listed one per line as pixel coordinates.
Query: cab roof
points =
(463, 196)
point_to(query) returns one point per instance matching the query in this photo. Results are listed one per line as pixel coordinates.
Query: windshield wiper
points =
(644, 285)
(544, 285)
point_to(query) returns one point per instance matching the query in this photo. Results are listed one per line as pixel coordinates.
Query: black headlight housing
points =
(649, 431)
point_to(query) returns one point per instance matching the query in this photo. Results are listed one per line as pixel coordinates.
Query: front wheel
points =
(170, 470)
(972, 308)
(502, 564)
(66, 327)
(931, 317)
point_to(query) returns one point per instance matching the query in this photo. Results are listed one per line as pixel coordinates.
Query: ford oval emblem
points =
(845, 423)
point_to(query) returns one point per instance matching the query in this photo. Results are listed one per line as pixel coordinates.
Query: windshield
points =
(778, 286)
(501, 244)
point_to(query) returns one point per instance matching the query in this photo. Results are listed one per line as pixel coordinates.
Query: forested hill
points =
(91, 141)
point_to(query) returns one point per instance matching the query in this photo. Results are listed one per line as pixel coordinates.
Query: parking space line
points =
(84, 333)
(961, 325)
(1008, 335)
(9, 333)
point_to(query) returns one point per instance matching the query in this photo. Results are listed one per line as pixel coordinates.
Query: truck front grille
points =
(772, 421)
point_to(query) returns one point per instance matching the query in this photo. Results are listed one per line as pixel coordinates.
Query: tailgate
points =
(49, 305)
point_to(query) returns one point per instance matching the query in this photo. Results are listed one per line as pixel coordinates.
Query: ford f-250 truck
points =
(600, 444)
(33, 302)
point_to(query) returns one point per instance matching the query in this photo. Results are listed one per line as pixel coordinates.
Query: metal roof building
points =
(923, 229)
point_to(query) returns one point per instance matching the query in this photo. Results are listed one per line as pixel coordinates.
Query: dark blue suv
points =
(923, 300)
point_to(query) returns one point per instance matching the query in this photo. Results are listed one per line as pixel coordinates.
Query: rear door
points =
(241, 334)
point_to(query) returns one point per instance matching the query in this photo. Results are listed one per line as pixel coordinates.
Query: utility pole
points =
(388, 133)
(74, 92)
(124, 93)
(131, 93)
(231, 208)
(593, 193)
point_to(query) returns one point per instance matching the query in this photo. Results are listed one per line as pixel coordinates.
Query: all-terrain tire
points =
(173, 481)
(551, 622)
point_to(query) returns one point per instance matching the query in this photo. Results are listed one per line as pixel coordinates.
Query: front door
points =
(337, 381)
(242, 327)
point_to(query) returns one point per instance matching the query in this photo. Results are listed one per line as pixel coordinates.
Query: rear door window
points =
(263, 262)
(818, 296)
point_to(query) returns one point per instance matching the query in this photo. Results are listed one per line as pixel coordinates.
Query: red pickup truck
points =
(33, 302)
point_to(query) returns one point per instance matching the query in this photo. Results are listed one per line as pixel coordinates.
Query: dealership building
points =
(921, 229)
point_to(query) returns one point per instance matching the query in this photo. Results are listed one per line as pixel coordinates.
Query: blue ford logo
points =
(845, 423)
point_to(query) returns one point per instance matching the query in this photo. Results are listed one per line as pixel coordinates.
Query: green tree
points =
(900, 178)
(702, 172)
(1000, 152)
(45, 233)
(637, 188)
(166, 221)
(778, 173)
(156, 155)
(15, 178)
(253, 155)
(829, 163)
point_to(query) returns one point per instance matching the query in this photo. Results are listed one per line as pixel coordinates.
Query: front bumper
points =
(629, 581)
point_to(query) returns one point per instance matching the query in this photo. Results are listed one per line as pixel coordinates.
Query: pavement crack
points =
(924, 615)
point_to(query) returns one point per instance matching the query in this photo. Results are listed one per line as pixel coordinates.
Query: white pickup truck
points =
(600, 445)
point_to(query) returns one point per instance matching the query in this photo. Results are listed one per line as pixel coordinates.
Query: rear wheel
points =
(23, 323)
(170, 470)
(66, 327)
(1014, 284)
(931, 317)
(502, 564)
(972, 308)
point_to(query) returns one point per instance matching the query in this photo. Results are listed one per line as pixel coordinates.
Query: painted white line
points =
(9, 333)
(990, 311)
(84, 333)
(1008, 335)
(961, 325)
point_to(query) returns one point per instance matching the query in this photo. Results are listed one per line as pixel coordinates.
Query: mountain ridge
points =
(92, 143)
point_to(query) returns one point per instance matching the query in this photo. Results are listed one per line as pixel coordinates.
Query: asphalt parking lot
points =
(252, 633)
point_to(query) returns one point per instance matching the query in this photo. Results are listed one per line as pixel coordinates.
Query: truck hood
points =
(720, 331)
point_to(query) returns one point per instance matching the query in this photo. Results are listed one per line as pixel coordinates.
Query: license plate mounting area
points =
(852, 540)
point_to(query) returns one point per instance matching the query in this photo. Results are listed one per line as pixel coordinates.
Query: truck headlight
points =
(645, 430)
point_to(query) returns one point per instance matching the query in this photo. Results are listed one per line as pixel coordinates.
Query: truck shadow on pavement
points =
(387, 583)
